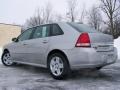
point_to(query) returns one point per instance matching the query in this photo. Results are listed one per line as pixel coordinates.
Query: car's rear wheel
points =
(58, 66)
(6, 59)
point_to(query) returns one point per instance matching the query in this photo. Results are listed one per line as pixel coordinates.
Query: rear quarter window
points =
(56, 30)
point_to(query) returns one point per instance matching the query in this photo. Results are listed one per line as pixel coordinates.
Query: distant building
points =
(7, 32)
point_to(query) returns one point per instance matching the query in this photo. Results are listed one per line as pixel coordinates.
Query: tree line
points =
(104, 18)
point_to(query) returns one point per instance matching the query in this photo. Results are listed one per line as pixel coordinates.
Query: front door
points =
(21, 46)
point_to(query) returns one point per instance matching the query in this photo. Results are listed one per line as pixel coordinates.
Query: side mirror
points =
(14, 39)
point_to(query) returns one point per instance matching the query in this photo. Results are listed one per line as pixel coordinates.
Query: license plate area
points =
(103, 47)
(107, 57)
(110, 56)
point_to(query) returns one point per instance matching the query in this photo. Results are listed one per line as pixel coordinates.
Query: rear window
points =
(82, 28)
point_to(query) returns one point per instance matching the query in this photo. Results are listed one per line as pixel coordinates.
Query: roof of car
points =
(55, 23)
(46, 24)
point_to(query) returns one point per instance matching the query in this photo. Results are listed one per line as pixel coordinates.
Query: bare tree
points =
(83, 14)
(58, 18)
(41, 16)
(72, 12)
(117, 27)
(111, 8)
(48, 12)
(95, 18)
(35, 20)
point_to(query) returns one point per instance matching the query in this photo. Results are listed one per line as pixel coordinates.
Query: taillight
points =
(83, 40)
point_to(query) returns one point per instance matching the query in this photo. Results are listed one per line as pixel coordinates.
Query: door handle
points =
(25, 44)
(45, 41)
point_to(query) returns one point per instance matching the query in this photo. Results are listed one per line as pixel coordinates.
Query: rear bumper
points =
(90, 58)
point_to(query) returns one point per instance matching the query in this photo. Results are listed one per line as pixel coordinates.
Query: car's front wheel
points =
(6, 59)
(58, 66)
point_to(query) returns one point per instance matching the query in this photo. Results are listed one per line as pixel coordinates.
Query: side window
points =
(56, 30)
(41, 31)
(38, 32)
(45, 31)
(25, 35)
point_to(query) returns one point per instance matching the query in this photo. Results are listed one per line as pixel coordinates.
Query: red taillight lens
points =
(83, 40)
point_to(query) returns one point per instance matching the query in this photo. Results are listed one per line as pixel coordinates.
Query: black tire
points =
(3, 60)
(66, 68)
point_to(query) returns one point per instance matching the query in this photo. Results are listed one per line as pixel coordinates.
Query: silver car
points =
(61, 47)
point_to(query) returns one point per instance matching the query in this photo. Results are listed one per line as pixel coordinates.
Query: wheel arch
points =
(5, 50)
(57, 51)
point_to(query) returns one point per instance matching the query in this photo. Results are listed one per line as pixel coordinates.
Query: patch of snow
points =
(0, 54)
(117, 45)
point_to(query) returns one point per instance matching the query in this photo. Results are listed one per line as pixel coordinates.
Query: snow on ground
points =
(117, 45)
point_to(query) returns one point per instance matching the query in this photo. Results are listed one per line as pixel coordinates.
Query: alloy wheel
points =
(56, 66)
(7, 59)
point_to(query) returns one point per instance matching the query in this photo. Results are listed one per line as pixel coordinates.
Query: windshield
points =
(82, 28)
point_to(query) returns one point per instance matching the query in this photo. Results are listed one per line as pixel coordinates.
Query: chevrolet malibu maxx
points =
(61, 47)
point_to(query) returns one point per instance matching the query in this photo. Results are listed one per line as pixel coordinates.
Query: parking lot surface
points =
(22, 77)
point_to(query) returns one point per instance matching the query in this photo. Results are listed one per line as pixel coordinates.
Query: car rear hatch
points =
(92, 38)
(101, 42)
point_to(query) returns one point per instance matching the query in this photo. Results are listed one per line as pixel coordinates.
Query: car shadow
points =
(74, 75)
(92, 75)
(32, 69)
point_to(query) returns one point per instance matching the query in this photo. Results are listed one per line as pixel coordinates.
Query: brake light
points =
(83, 40)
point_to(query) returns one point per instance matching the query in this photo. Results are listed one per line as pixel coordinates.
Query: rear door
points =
(40, 44)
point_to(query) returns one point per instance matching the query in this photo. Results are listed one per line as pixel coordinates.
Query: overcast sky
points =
(17, 11)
